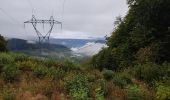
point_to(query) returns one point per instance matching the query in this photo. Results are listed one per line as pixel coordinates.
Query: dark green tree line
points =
(143, 35)
(3, 44)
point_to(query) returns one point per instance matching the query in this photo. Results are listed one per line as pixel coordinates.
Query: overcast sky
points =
(81, 18)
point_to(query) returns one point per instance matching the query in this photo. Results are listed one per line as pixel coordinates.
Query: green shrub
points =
(121, 79)
(8, 95)
(49, 62)
(26, 65)
(135, 93)
(10, 73)
(19, 57)
(148, 72)
(6, 59)
(100, 90)
(163, 91)
(56, 73)
(166, 69)
(108, 74)
(78, 87)
(70, 65)
(91, 77)
(99, 94)
(3, 44)
(40, 71)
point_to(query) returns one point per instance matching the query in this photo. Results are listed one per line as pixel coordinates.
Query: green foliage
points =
(26, 65)
(10, 73)
(100, 90)
(8, 95)
(78, 87)
(162, 88)
(99, 94)
(163, 91)
(166, 69)
(70, 65)
(3, 44)
(148, 72)
(108, 74)
(147, 54)
(121, 79)
(69, 79)
(19, 57)
(141, 36)
(135, 93)
(91, 77)
(49, 62)
(104, 59)
(5, 58)
(40, 71)
(56, 73)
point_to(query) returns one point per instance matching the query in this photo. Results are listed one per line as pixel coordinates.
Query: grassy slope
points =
(24, 77)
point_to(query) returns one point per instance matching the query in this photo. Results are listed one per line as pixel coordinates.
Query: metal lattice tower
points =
(43, 38)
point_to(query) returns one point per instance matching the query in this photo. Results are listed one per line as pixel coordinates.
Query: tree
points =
(145, 27)
(3, 44)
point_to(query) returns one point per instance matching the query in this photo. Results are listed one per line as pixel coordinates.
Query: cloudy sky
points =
(81, 18)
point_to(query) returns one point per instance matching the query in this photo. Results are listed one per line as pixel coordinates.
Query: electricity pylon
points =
(41, 37)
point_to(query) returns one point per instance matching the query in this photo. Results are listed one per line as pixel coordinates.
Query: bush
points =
(100, 90)
(49, 62)
(70, 65)
(8, 95)
(148, 72)
(10, 73)
(19, 57)
(6, 59)
(121, 79)
(78, 87)
(40, 71)
(56, 73)
(166, 69)
(104, 59)
(163, 91)
(91, 77)
(99, 94)
(135, 93)
(3, 44)
(26, 65)
(108, 74)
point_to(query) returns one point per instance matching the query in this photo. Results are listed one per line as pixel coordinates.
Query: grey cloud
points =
(94, 17)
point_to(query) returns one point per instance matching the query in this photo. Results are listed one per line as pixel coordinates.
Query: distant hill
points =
(34, 48)
(72, 43)
(59, 48)
(20, 44)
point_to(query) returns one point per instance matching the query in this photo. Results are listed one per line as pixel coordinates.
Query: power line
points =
(31, 5)
(12, 18)
(63, 9)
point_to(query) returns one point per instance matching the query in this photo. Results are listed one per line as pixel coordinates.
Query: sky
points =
(80, 18)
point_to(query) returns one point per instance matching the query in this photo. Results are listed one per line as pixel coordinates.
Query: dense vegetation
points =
(24, 77)
(142, 36)
(2, 44)
(135, 66)
(141, 43)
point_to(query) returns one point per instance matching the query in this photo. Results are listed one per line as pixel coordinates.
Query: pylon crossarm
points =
(43, 21)
(51, 22)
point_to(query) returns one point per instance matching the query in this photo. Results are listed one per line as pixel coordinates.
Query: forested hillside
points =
(140, 44)
(142, 36)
